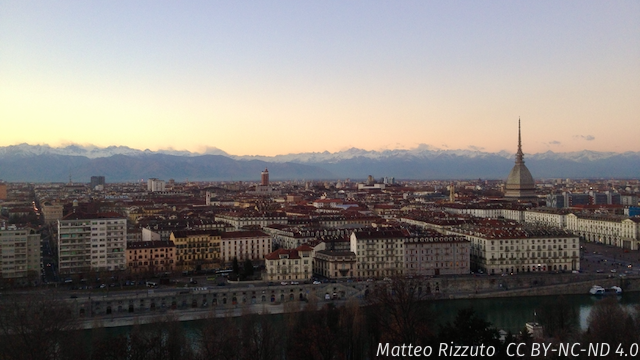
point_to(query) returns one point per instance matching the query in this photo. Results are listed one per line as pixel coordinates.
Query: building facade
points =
(91, 242)
(436, 254)
(196, 250)
(244, 245)
(289, 264)
(619, 231)
(503, 248)
(154, 185)
(19, 253)
(52, 213)
(150, 257)
(379, 253)
(333, 264)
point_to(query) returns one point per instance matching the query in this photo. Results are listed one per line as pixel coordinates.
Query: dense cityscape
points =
(125, 254)
(319, 180)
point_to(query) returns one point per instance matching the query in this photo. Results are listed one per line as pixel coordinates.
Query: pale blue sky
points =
(289, 76)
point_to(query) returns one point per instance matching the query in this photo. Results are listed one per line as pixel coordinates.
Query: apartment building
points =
(379, 253)
(245, 218)
(149, 257)
(290, 264)
(333, 264)
(502, 247)
(196, 250)
(243, 245)
(19, 253)
(613, 230)
(91, 242)
(52, 212)
(436, 254)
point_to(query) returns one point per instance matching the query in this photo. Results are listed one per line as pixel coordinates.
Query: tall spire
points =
(519, 154)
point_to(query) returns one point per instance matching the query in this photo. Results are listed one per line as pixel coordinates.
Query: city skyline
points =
(270, 79)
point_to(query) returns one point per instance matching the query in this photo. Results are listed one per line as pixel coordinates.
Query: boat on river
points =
(599, 290)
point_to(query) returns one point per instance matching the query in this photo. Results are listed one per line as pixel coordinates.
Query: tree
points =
(235, 266)
(34, 326)
(400, 311)
(469, 329)
(260, 338)
(610, 323)
(248, 268)
(219, 339)
(351, 339)
(558, 317)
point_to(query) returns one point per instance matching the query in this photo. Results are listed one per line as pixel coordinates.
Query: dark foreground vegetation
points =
(39, 327)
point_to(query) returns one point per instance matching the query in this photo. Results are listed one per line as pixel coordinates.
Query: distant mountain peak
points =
(93, 151)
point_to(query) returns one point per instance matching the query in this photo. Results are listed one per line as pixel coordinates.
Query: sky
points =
(278, 77)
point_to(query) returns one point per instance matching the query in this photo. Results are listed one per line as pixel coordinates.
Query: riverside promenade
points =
(132, 309)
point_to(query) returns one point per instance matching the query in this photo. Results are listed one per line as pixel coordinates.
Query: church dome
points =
(520, 178)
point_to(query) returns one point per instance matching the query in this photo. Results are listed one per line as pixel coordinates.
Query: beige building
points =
(615, 230)
(91, 242)
(19, 253)
(503, 247)
(334, 264)
(196, 249)
(52, 212)
(247, 218)
(290, 264)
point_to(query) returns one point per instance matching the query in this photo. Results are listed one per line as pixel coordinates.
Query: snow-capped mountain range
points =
(422, 151)
(120, 163)
(92, 151)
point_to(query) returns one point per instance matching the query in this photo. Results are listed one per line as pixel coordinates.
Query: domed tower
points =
(520, 184)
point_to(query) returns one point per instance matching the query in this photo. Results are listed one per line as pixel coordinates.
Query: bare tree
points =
(559, 318)
(352, 336)
(260, 338)
(219, 339)
(401, 311)
(34, 326)
(611, 323)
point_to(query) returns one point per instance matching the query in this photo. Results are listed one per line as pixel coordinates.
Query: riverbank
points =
(485, 287)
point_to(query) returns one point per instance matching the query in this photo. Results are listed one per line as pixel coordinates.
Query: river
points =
(509, 314)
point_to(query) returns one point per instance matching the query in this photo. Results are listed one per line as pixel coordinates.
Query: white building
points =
(91, 242)
(546, 216)
(154, 185)
(243, 245)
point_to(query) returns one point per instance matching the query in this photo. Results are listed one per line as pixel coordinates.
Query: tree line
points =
(397, 312)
